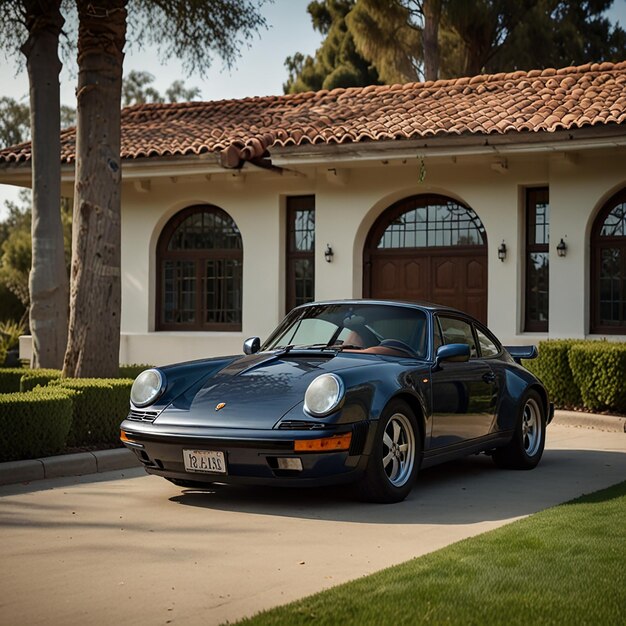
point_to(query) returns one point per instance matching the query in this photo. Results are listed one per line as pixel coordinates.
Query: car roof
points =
(404, 303)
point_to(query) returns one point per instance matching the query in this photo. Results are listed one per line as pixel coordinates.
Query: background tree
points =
(14, 122)
(336, 62)
(557, 33)
(15, 260)
(389, 34)
(410, 40)
(41, 23)
(137, 88)
(191, 30)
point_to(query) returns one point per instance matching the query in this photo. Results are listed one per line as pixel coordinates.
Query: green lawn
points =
(566, 565)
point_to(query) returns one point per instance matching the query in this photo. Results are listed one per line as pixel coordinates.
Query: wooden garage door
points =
(428, 248)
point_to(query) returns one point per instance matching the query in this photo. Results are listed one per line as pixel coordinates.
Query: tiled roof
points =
(536, 101)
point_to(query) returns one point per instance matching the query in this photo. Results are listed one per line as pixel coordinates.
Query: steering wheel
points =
(398, 345)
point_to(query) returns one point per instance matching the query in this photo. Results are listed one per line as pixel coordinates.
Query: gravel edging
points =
(578, 419)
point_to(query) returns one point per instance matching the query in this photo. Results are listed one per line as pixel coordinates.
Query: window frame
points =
(599, 243)
(292, 254)
(199, 257)
(533, 197)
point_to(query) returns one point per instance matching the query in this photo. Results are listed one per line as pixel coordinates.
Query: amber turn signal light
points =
(124, 437)
(327, 444)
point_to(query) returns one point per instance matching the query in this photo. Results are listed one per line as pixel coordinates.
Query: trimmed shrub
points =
(34, 423)
(34, 378)
(599, 371)
(132, 371)
(10, 379)
(99, 408)
(552, 367)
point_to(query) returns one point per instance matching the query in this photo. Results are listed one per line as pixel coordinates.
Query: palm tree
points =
(48, 283)
(190, 30)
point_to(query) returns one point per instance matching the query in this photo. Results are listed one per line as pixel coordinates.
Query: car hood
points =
(256, 391)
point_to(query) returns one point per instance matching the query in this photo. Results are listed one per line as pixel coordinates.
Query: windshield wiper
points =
(295, 346)
(340, 347)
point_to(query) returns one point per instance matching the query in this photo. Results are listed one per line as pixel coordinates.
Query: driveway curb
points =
(15, 472)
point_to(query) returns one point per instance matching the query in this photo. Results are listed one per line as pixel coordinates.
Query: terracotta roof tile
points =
(536, 101)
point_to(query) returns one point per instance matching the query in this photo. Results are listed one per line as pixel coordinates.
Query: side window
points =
(458, 331)
(438, 340)
(487, 346)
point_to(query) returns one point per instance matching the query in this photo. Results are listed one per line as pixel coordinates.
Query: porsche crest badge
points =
(220, 406)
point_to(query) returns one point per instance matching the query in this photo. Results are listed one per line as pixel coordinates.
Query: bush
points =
(34, 378)
(552, 367)
(99, 407)
(34, 423)
(10, 379)
(599, 371)
(132, 371)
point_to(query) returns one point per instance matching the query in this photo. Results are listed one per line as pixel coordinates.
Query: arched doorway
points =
(429, 248)
(608, 268)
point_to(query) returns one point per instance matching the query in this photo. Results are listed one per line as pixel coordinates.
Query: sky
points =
(259, 72)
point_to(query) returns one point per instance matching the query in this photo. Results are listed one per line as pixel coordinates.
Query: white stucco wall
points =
(346, 207)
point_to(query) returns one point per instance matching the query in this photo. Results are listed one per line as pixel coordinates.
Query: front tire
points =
(525, 449)
(395, 458)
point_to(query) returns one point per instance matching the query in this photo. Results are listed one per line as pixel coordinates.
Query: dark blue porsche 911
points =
(362, 392)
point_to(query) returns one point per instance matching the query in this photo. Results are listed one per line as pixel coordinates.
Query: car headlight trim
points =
(147, 388)
(324, 395)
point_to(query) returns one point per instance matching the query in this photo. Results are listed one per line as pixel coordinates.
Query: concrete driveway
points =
(134, 549)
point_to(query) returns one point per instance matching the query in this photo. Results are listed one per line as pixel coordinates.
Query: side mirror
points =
(452, 353)
(251, 345)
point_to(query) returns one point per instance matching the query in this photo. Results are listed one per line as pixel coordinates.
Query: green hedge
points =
(132, 371)
(599, 371)
(34, 423)
(99, 408)
(553, 369)
(10, 379)
(35, 378)
(582, 373)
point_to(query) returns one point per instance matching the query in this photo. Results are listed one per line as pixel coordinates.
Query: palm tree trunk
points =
(95, 297)
(48, 282)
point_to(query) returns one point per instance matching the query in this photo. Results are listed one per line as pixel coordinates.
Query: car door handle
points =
(489, 377)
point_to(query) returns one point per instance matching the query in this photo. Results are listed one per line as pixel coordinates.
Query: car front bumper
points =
(252, 457)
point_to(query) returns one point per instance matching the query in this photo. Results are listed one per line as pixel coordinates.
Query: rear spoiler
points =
(522, 352)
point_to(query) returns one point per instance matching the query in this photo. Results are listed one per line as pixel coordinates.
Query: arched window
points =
(608, 268)
(431, 221)
(200, 262)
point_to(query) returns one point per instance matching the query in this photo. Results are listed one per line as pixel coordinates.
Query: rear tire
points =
(395, 458)
(525, 449)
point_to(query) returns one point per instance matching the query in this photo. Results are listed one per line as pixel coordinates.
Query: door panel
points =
(464, 402)
(445, 276)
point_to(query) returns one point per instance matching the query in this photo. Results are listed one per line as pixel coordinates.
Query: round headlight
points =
(148, 386)
(324, 395)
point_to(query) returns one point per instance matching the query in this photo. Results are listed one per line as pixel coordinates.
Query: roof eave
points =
(589, 138)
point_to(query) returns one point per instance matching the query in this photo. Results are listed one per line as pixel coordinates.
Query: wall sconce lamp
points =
(561, 248)
(502, 251)
(328, 253)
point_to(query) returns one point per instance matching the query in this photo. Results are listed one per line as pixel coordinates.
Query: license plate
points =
(205, 461)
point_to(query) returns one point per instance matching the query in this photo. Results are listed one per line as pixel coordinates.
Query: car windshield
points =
(351, 326)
